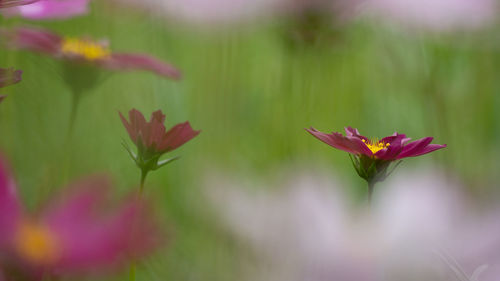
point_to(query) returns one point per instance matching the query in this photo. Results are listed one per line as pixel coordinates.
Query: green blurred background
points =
(251, 90)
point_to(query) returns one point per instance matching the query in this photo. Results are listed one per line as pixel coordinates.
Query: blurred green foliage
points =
(251, 91)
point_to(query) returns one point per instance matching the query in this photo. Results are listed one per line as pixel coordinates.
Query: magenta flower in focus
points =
(9, 76)
(77, 233)
(371, 158)
(153, 140)
(83, 51)
(14, 3)
(50, 9)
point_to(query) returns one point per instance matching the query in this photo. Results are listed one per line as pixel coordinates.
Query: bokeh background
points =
(252, 86)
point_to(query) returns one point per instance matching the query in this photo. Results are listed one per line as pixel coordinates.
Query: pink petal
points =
(50, 9)
(31, 39)
(177, 136)
(10, 207)
(141, 62)
(414, 147)
(95, 234)
(351, 144)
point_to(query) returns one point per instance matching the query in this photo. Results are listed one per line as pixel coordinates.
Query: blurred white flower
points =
(418, 228)
(436, 15)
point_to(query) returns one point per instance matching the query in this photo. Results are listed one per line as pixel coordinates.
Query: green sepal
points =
(162, 163)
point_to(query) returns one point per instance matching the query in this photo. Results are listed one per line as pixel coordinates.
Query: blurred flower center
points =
(376, 145)
(36, 243)
(88, 49)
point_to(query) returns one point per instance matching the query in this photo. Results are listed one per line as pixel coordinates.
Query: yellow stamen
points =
(376, 145)
(36, 243)
(88, 49)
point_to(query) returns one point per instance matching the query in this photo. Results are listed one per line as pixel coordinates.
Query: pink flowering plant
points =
(372, 157)
(78, 232)
(82, 59)
(83, 51)
(153, 140)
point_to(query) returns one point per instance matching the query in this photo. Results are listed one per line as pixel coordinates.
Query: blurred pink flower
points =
(419, 226)
(152, 137)
(436, 15)
(50, 9)
(83, 51)
(231, 11)
(153, 140)
(78, 232)
(204, 11)
(14, 3)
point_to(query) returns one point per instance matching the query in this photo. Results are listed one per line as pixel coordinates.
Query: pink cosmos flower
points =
(78, 232)
(389, 148)
(436, 15)
(372, 157)
(153, 136)
(9, 76)
(50, 9)
(153, 140)
(14, 3)
(83, 51)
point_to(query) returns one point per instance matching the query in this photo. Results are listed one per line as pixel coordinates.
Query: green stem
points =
(132, 272)
(75, 101)
(144, 173)
(371, 187)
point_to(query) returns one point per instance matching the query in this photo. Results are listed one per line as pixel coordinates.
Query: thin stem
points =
(144, 173)
(371, 187)
(132, 272)
(75, 101)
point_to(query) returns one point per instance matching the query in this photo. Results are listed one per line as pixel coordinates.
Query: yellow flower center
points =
(88, 49)
(36, 243)
(376, 145)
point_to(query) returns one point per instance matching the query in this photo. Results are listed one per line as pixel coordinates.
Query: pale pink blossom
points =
(419, 226)
(435, 15)
(50, 9)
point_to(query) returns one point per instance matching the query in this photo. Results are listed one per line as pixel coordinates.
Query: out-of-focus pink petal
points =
(157, 129)
(32, 39)
(204, 11)
(9, 76)
(96, 235)
(177, 136)
(50, 9)
(141, 62)
(10, 207)
(137, 123)
(14, 3)
(436, 15)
